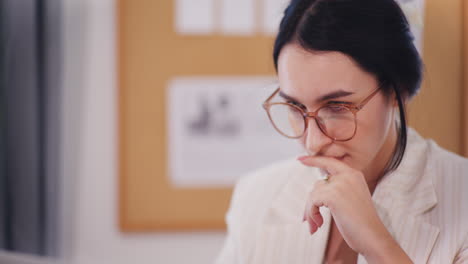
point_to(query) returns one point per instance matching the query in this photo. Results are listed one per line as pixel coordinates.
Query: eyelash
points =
(339, 102)
(329, 103)
(295, 103)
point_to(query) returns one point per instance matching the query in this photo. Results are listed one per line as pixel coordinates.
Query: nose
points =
(315, 141)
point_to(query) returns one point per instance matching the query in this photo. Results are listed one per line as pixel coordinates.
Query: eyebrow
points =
(329, 96)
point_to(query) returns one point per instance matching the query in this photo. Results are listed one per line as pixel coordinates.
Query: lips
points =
(340, 157)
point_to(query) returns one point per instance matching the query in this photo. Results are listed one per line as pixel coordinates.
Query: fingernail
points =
(312, 231)
(302, 158)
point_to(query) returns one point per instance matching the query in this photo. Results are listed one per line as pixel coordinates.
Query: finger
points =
(321, 184)
(316, 216)
(333, 166)
(312, 213)
(312, 226)
(315, 219)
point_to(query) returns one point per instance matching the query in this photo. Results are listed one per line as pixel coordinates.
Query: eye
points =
(339, 102)
(296, 104)
(337, 109)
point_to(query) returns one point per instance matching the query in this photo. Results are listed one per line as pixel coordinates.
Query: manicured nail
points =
(302, 158)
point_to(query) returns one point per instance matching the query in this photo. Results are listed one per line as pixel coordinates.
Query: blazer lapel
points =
(415, 236)
(284, 237)
(402, 198)
(403, 219)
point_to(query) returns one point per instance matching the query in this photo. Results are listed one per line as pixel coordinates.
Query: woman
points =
(346, 70)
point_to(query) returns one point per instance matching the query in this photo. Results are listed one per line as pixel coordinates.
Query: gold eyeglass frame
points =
(354, 108)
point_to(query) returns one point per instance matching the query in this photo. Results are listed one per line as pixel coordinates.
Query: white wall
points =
(90, 152)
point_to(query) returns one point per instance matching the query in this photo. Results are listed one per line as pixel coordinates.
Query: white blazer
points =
(423, 204)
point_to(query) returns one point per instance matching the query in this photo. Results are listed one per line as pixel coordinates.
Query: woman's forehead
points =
(319, 73)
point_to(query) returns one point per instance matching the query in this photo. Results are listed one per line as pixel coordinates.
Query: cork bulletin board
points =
(150, 53)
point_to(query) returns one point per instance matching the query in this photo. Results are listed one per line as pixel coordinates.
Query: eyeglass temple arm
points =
(364, 102)
(271, 96)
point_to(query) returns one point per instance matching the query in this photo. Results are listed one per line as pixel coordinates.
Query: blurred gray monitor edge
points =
(8, 257)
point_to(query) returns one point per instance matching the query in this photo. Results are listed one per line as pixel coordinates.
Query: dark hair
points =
(374, 33)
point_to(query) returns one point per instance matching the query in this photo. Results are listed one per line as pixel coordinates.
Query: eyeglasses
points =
(336, 120)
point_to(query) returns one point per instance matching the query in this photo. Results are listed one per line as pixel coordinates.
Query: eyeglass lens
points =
(335, 121)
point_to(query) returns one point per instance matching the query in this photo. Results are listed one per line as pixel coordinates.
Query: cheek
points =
(302, 142)
(372, 130)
